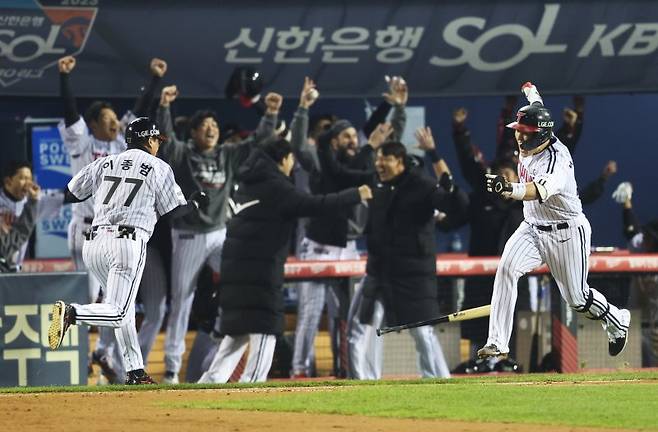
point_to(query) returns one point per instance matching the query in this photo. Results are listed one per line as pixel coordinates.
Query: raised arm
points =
(305, 153)
(172, 149)
(469, 158)
(265, 130)
(237, 153)
(426, 143)
(572, 125)
(397, 96)
(71, 115)
(158, 68)
(593, 190)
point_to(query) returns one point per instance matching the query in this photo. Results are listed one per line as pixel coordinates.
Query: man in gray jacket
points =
(200, 164)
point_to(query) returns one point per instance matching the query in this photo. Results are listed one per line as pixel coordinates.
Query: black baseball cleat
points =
(63, 318)
(491, 350)
(139, 377)
(617, 340)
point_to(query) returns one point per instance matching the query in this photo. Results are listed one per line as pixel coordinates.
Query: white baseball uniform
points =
(130, 191)
(49, 204)
(556, 232)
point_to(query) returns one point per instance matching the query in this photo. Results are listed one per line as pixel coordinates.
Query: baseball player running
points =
(130, 191)
(554, 231)
(93, 135)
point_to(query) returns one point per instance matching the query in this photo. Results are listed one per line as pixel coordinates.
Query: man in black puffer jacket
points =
(400, 285)
(256, 247)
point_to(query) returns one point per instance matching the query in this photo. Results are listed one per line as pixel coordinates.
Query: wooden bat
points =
(464, 315)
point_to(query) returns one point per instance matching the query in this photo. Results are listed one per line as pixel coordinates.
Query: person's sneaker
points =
(491, 350)
(63, 318)
(106, 369)
(139, 377)
(618, 338)
(170, 378)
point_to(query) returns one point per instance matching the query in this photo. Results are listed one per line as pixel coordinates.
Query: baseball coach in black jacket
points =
(400, 285)
(257, 243)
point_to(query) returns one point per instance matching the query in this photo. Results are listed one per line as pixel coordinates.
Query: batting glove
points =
(623, 193)
(498, 185)
(531, 93)
(200, 199)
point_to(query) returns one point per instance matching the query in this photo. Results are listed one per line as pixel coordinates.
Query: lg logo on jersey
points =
(641, 41)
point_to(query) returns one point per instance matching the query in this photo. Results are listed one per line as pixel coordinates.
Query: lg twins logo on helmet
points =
(148, 133)
(545, 124)
(33, 38)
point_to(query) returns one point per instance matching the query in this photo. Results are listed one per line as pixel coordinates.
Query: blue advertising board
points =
(52, 170)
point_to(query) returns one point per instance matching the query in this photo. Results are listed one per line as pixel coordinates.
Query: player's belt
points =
(123, 231)
(549, 228)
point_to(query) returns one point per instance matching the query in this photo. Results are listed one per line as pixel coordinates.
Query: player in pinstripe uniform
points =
(96, 134)
(130, 191)
(201, 164)
(554, 231)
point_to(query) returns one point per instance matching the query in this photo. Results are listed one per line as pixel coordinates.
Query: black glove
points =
(201, 199)
(446, 182)
(499, 185)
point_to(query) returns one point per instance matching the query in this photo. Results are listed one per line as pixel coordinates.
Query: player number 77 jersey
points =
(132, 188)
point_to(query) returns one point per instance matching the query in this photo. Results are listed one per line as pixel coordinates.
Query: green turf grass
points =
(600, 405)
(615, 405)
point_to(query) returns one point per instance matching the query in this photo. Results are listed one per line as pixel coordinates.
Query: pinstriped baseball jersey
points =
(131, 188)
(83, 149)
(553, 169)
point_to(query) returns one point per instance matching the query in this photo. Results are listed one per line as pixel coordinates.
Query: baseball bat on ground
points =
(464, 315)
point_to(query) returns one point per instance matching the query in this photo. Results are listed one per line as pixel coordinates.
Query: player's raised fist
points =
(459, 115)
(158, 67)
(531, 93)
(273, 102)
(66, 64)
(168, 95)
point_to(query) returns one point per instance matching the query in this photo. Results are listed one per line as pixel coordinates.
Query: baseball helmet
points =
(534, 119)
(140, 130)
(245, 83)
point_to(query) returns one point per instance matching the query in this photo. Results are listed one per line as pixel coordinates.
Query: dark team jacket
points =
(257, 243)
(336, 175)
(401, 246)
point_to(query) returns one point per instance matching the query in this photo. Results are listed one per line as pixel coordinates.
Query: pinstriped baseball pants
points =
(118, 264)
(566, 253)
(311, 299)
(106, 342)
(190, 251)
(231, 348)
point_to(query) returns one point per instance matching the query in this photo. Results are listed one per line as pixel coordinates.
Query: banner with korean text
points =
(26, 301)
(441, 48)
